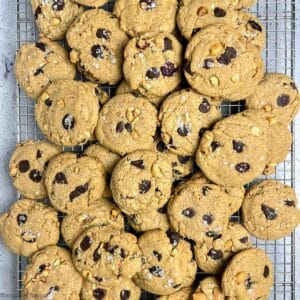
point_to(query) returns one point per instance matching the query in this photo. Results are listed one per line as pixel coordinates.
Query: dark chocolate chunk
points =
(188, 212)
(35, 176)
(144, 186)
(79, 190)
(269, 212)
(215, 254)
(24, 166)
(242, 167)
(86, 243)
(238, 146)
(138, 163)
(21, 219)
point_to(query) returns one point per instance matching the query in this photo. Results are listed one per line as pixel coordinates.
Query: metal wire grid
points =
(279, 19)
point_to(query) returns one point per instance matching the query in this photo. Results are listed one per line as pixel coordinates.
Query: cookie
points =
(74, 182)
(141, 182)
(138, 17)
(123, 289)
(235, 151)
(152, 64)
(249, 275)
(277, 93)
(270, 210)
(41, 63)
(127, 123)
(124, 88)
(29, 226)
(198, 208)
(209, 289)
(104, 213)
(239, 4)
(97, 44)
(194, 15)
(67, 112)
(92, 3)
(103, 254)
(220, 62)
(27, 165)
(182, 294)
(218, 247)
(167, 263)
(183, 116)
(54, 17)
(51, 275)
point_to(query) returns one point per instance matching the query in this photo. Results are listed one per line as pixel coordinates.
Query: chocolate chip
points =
(266, 271)
(173, 237)
(242, 167)
(289, 203)
(42, 268)
(58, 5)
(168, 69)
(201, 132)
(138, 163)
(214, 235)
(208, 63)
(97, 51)
(79, 190)
(219, 12)
(249, 283)
(96, 255)
(148, 4)
(38, 11)
(120, 127)
(161, 147)
(99, 294)
(244, 240)
(207, 219)
(21, 219)
(283, 100)
(109, 248)
(38, 71)
(35, 176)
(183, 130)
(238, 146)
(187, 67)
(215, 254)
(125, 294)
(152, 73)
(189, 212)
(156, 271)
(144, 186)
(293, 85)
(68, 122)
(48, 102)
(227, 56)
(214, 146)
(167, 44)
(183, 159)
(38, 154)
(103, 33)
(204, 106)
(128, 127)
(205, 190)
(255, 25)
(51, 291)
(27, 237)
(86, 243)
(24, 166)
(41, 46)
(269, 212)
(195, 30)
(60, 178)
(157, 255)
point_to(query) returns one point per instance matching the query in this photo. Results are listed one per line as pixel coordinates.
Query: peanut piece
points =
(44, 96)
(216, 49)
(214, 80)
(202, 11)
(199, 296)
(55, 21)
(241, 277)
(228, 245)
(235, 78)
(255, 131)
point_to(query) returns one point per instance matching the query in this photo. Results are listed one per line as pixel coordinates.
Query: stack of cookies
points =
(157, 156)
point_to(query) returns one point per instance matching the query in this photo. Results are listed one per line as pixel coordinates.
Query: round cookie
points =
(141, 182)
(209, 289)
(277, 93)
(239, 4)
(194, 15)
(41, 63)
(270, 210)
(92, 3)
(167, 263)
(219, 62)
(54, 17)
(249, 275)
(127, 123)
(183, 116)
(214, 252)
(152, 64)
(103, 254)
(138, 17)
(182, 294)
(104, 213)
(123, 289)
(27, 165)
(67, 112)
(74, 182)
(29, 226)
(235, 151)
(97, 45)
(51, 275)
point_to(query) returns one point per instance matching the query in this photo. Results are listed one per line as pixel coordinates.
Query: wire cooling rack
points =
(279, 19)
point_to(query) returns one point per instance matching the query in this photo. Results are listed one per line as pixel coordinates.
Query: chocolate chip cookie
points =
(141, 16)
(74, 182)
(27, 166)
(182, 294)
(103, 254)
(152, 64)
(127, 123)
(29, 226)
(38, 64)
(277, 93)
(51, 275)
(209, 289)
(97, 44)
(67, 112)
(91, 3)
(167, 263)
(249, 275)
(270, 210)
(183, 116)
(220, 62)
(141, 182)
(54, 17)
